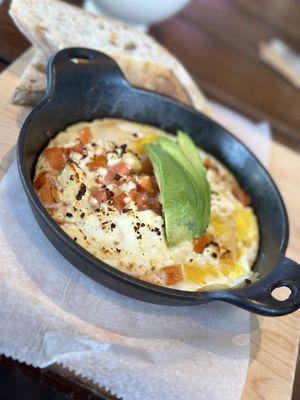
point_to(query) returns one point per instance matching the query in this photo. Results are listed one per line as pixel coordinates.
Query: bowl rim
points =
(80, 251)
(98, 263)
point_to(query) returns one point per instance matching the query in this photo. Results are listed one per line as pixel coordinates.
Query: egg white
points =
(113, 236)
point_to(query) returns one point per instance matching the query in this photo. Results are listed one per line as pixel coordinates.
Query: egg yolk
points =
(138, 144)
(199, 275)
(220, 227)
(246, 226)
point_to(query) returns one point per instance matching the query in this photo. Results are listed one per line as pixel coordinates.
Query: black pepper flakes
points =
(157, 231)
(117, 177)
(82, 215)
(113, 226)
(81, 192)
(75, 239)
(135, 135)
(71, 177)
(214, 255)
(69, 215)
(123, 148)
(109, 193)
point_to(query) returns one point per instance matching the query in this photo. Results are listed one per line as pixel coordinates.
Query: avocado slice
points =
(188, 155)
(179, 195)
(192, 154)
(185, 191)
(175, 151)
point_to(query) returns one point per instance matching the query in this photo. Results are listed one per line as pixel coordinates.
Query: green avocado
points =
(185, 192)
(179, 196)
(192, 153)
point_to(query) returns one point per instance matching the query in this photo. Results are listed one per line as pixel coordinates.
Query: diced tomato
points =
(99, 161)
(210, 164)
(119, 168)
(148, 184)
(55, 194)
(119, 201)
(173, 274)
(99, 194)
(78, 148)
(241, 195)
(45, 187)
(140, 199)
(86, 135)
(147, 166)
(40, 180)
(201, 242)
(56, 157)
(154, 204)
(49, 195)
(144, 202)
(115, 171)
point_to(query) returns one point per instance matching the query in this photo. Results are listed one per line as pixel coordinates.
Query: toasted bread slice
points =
(32, 85)
(52, 25)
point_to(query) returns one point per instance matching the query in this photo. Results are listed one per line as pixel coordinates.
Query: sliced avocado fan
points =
(185, 192)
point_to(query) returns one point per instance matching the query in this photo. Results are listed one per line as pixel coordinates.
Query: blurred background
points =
(223, 43)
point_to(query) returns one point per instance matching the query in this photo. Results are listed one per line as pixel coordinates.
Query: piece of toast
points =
(52, 25)
(32, 85)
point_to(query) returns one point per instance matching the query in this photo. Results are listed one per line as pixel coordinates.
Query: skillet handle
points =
(84, 71)
(257, 297)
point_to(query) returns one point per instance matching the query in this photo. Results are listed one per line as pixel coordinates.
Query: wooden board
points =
(274, 341)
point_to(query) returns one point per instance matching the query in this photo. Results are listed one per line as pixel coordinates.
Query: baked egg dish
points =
(162, 211)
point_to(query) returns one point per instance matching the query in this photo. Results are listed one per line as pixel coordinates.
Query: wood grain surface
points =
(217, 40)
(274, 341)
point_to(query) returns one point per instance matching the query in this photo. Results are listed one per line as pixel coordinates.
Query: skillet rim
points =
(97, 263)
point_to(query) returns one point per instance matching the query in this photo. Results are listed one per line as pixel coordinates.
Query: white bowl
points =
(137, 12)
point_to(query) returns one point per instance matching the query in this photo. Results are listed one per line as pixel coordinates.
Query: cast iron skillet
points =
(96, 89)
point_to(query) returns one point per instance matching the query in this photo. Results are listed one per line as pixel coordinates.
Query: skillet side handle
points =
(257, 297)
(82, 70)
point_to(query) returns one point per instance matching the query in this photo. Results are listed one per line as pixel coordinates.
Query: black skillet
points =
(96, 89)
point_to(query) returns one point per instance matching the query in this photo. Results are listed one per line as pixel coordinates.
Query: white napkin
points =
(50, 312)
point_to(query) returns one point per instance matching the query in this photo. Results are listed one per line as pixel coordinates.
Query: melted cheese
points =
(133, 240)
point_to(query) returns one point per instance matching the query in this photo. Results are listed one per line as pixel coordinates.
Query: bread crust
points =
(162, 72)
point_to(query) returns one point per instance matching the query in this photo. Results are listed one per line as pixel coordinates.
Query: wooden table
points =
(274, 342)
(217, 41)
